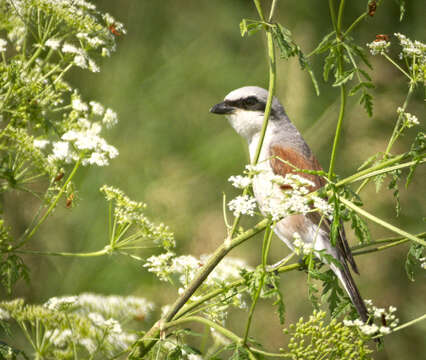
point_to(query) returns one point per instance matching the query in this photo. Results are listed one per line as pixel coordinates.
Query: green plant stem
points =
(338, 130)
(397, 66)
(273, 7)
(332, 13)
(381, 222)
(225, 332)
(379, 248)
(337, 24)
(412, 322)
(143, 346)
(385, 241)
(394, 135)
(388, 169)
(259, 9)
(382, 165)
(104, 251)
(54, 203)
(271, 91)
(340, 17)
(355, 23)
(265, 251)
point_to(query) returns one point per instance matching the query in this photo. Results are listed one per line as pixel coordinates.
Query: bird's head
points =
(245, 110)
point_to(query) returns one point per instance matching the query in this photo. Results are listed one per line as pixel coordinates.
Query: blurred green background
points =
(177, 60)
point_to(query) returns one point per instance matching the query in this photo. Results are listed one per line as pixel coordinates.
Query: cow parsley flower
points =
(4, 315)
(240, 182)
(53, 43)
(62, 152)
(410, 120)
(40, 144)
(243, 205)
(69, 48)
(3, 44)
(97, 108)
(78, 105)
(80, 61)
(110, 118)
(378, 47)
(61, 303)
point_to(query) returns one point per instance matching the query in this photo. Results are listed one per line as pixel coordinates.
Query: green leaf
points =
(367, 101)
(368, 162)
(401, 9)
(360, 85)
(325, 44)
(12, 269)
(344, 78)
(283, 39)
(365, 74)
(413, 259)
(249, 27)
(361, 52)
(330, 63)
(360, 228)
(272, 283)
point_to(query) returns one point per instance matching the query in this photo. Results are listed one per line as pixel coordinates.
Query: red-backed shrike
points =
(245, 110)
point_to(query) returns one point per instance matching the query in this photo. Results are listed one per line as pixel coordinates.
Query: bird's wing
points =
(280, 167)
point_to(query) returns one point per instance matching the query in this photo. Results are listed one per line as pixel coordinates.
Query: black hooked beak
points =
(222, 108)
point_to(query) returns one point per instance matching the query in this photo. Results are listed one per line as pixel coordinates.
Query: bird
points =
(245, 109)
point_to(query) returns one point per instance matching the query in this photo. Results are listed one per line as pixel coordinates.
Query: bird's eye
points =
(250, 101)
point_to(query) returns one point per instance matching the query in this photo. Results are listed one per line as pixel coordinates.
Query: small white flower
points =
(53, 43)
(60, 303)
(3, 44)
(79, 105)
(378, 47)
(240, 182)
(68, 48)
(97, 108)
(80, 61)
(385, 330)
(40, 144)
(106, 52)
(243, 205)
(93, 67)
(89, 344)
(58, 337)
(369, 329)
(110, 118)
(4, 315)
(61, 151)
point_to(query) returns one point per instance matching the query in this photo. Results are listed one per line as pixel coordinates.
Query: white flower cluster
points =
(423, 262)
(410, 120)
(388, 316)
(93, 149)
(240, 182)
(4, 315)
(300, 247)
(104, 314)
(243, 205)
(3, 44)
(279, 204)
(118, 307)
(412, 48)
(61, 303)
(185, 267)
(53, 43)
(378, 47)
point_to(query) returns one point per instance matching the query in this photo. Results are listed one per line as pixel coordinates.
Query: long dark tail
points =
(348, 283)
